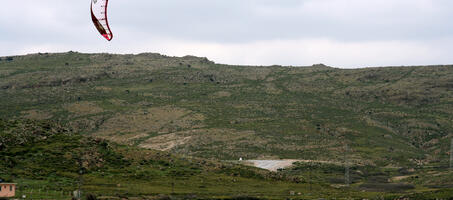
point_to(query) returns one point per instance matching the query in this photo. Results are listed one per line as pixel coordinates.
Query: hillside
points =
(49, 162)
(191, 105)
(383, 118)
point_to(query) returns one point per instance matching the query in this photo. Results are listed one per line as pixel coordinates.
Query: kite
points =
(99, 17)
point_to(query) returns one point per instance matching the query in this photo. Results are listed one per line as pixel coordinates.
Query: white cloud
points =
(312, 51)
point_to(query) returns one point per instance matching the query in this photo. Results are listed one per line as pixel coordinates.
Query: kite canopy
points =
(99, 17)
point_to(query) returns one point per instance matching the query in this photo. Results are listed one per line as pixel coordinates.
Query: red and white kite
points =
(99, 17)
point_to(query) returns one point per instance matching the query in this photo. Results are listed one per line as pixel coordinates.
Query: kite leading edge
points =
(99, 17)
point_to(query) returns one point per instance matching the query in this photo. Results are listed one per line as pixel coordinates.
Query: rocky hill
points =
(389, 118)
(192, 106)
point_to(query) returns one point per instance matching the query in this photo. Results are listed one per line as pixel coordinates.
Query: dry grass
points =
(83, 108)
(167, 142)
(270, 88)
(225, 140)
(221, 94)
(127, 127)
(103, 88)
(37, 114)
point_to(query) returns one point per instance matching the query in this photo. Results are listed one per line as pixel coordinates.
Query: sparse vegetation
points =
(392, 118)
(52, 162)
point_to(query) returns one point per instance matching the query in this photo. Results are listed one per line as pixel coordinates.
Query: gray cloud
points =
(344, 33)
(245, 20)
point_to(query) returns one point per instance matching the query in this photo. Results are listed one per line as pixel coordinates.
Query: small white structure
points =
(240, 159)
(77, 194)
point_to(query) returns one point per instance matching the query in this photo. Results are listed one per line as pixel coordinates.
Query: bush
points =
(245, 198)
(163, 197)
(91, 197)
(386, 187)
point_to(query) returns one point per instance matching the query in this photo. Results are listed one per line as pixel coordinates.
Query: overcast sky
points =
(339, 33)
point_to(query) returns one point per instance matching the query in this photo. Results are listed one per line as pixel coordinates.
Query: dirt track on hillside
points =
(272, 165)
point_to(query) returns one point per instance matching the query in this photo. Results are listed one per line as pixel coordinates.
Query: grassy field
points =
(392, 119)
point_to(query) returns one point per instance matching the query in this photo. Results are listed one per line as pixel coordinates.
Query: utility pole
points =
(451, 154)
(309, 176)
(172, 174)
